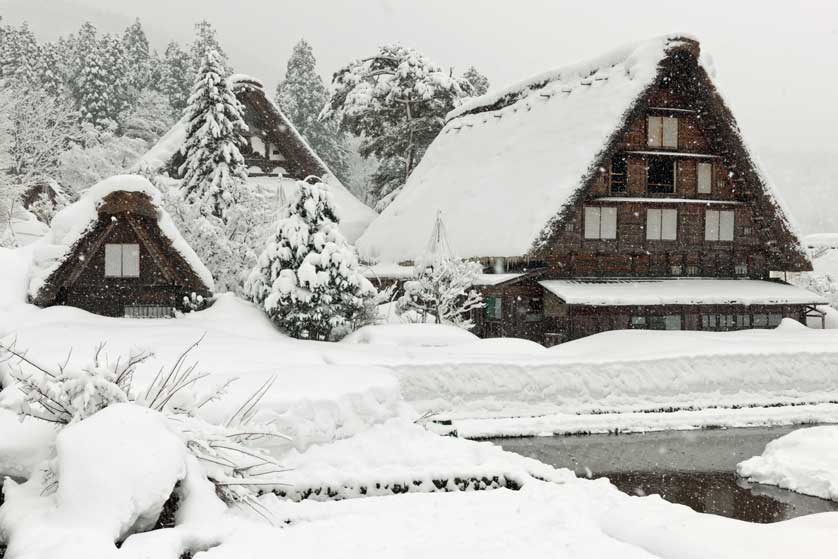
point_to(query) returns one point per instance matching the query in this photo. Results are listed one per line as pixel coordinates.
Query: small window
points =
(718, 225)
(619, 174)
(662, 131)
(760, 321)
(692, 270)
(774, 319)
(493, 309)
(666, 322)
(741, 269)
(705, 178)
(600, 222)
(148, 311)
(743, 321)
(660, 175)
(534, 310)
(638, 322)
(675, 269)
(568, 226)
(708, 322)
(122, 260)
(746, 231)
(661, 225)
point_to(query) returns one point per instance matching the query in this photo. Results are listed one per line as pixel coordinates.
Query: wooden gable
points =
(707, 133)
(124, 218)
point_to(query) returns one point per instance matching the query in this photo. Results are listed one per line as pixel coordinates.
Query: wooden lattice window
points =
(619, 174)
(660, 175)
(122, 260)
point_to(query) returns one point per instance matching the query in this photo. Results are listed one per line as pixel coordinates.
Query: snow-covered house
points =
(277, 155)
(615, 193)
(116, 252)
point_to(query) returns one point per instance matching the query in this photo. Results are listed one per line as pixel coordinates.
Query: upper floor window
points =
(718, 225)
(600, 222)
(660, 175)
(661, 225)
(619, 173)
(122, 261)
(705, 177)
(662, 131)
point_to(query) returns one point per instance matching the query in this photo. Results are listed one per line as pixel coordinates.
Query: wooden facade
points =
(160, 276)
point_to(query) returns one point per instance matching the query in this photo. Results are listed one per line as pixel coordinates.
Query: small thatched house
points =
(276, 154)
(116, 252)
(615, 193)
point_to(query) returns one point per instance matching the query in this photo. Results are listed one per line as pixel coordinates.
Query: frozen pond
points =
(694, 468)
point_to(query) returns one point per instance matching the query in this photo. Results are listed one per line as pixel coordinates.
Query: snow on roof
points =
(822, 240)
(489, 280)
(679, 292)
(73, 222)
(509, 162)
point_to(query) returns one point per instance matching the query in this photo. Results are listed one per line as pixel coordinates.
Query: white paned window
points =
(661, 225)
(718, 225)
(705, 178)
(122, 260)
(662, 131)
(600, 223)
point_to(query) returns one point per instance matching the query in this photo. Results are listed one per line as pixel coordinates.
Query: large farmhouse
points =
(616, 193)
(116, 252)
(276, 154)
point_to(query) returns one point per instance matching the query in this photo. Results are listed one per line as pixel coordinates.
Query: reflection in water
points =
(693, 468)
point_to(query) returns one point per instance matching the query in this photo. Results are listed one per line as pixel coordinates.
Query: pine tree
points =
(116, 74)
(137, 56)
(307, 279)
(174, 77)
(396, 101)
(301, 96)
(214, 169)
(50, 69)
(19, 55)
(206, 39)
(479, 82)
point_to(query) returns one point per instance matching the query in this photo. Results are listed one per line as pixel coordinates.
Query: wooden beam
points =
(152, 248)
(82, 263)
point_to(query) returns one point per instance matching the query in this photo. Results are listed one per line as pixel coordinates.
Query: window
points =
(708, 322)
(568, 226)
(743, 321)
(660, 175)
(619, 173)
(705, 178)
(675, 270)
(666, 322)
(718, 225)
(638, 322)
(122, 261)
(534, 309)
(600, 223)
(692, 270)
(493, 309)
(662, 131)
(661, 225)
(774, 319)
(741, 269)
(760, 321)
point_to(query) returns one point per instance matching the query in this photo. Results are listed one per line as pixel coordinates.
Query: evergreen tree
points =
(19, 55)
(206, 39)
(92, 82)
(307, 279)
(174, 76)
(301, 96)
(396, 101)
(50, 69)
(479, 82)
(214, 169)
(137, 56)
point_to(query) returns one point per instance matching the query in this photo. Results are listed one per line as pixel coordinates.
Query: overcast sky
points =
(777, 60)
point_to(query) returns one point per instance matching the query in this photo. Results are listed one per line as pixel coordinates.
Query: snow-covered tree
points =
(175, 77)
(98, 80)
(19, 54)
(206, 39)
(137, 56)
(396, 100)
(443, 288)
(149, 118)
(95, 155)
(213, 169)
(307, 279)
(50, 69)
(301, 96)
(479, 82)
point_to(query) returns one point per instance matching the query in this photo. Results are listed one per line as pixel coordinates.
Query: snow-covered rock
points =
(805, 460)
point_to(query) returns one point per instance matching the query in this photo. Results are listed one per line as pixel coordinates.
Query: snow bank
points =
(400, 457)
(432, 335)
(114, 472)
(23, 444)
(625, 371)
(73, 222)
(805, 461)
(14, 267)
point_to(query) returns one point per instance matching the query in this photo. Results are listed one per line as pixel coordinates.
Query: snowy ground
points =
(805, 460)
